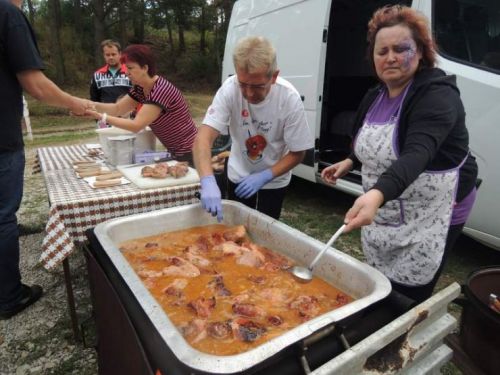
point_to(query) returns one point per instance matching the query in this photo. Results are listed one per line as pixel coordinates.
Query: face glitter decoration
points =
(409, 51)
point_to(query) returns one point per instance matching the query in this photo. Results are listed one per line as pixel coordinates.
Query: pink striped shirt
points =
(174, 127)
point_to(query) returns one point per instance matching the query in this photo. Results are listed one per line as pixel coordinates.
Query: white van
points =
(321, 46)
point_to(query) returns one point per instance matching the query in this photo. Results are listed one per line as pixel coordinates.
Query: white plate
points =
(91, 180)
(91, 146)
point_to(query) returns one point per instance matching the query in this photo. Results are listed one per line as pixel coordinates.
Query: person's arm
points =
(147, 114)
(95, 94)
(338, 170)
(287, 163)
(122, 106)
(296, 136)
(211, 198)
(216, 120)
(202, 149)
(35, 83)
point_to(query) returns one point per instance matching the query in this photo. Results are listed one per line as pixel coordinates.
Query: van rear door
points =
(297, 23)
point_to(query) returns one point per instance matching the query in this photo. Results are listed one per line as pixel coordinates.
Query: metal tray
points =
(361, 281)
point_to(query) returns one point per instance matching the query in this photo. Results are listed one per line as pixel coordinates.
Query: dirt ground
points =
(39, 340)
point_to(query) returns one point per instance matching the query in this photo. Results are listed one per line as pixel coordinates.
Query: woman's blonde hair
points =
(255, 53)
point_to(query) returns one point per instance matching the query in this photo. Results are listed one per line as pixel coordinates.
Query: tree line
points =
(187, 36)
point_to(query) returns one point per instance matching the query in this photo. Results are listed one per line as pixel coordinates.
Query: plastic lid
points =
(121, 138)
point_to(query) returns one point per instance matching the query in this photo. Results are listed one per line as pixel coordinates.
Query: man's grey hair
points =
(255, 53)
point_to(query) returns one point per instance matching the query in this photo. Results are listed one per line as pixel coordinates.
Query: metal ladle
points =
(304, 274)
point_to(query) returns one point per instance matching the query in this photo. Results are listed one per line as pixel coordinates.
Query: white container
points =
(121, 149)
(145, 140)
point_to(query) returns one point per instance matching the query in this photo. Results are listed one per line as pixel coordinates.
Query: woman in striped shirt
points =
(162, 106)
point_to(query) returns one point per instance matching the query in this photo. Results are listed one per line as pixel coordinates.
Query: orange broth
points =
(236, 279)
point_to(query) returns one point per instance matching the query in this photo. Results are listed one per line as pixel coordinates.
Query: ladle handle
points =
(328, 244)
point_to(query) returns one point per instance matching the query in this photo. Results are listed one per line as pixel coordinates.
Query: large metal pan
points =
(361, 281)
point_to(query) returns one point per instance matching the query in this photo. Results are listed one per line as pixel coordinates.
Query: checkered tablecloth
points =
(75, 206)
(57, 158)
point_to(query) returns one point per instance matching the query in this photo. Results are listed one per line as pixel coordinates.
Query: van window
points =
(469, 31)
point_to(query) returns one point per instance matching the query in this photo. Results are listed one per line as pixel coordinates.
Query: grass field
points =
(314, 209)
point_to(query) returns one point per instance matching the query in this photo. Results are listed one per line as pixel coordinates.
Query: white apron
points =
(406, 241)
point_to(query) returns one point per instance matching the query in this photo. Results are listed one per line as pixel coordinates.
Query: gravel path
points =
(40, 340)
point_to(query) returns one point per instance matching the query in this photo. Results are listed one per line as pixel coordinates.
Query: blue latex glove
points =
(211, 197)
(251, 184)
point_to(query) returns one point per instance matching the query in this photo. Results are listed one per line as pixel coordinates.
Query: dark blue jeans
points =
(11, 193)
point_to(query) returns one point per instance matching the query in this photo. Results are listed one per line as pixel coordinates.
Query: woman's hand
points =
(332, 173)
(363, 210)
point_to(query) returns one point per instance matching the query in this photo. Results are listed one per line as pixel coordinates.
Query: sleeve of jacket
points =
(95, 95)
(429, 122)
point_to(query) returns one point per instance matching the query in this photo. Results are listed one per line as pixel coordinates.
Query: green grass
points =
(57, 122)
(64, 137)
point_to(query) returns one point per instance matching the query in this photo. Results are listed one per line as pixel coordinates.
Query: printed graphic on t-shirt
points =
(103, 80)
(255, 147)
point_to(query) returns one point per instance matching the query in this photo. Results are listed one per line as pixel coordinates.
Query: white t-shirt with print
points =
(262, 133)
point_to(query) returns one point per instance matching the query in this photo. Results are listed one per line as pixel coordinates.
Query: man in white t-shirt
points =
(268, 127)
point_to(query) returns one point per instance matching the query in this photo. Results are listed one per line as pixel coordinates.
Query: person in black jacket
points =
(411, 140)
(20, 69)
